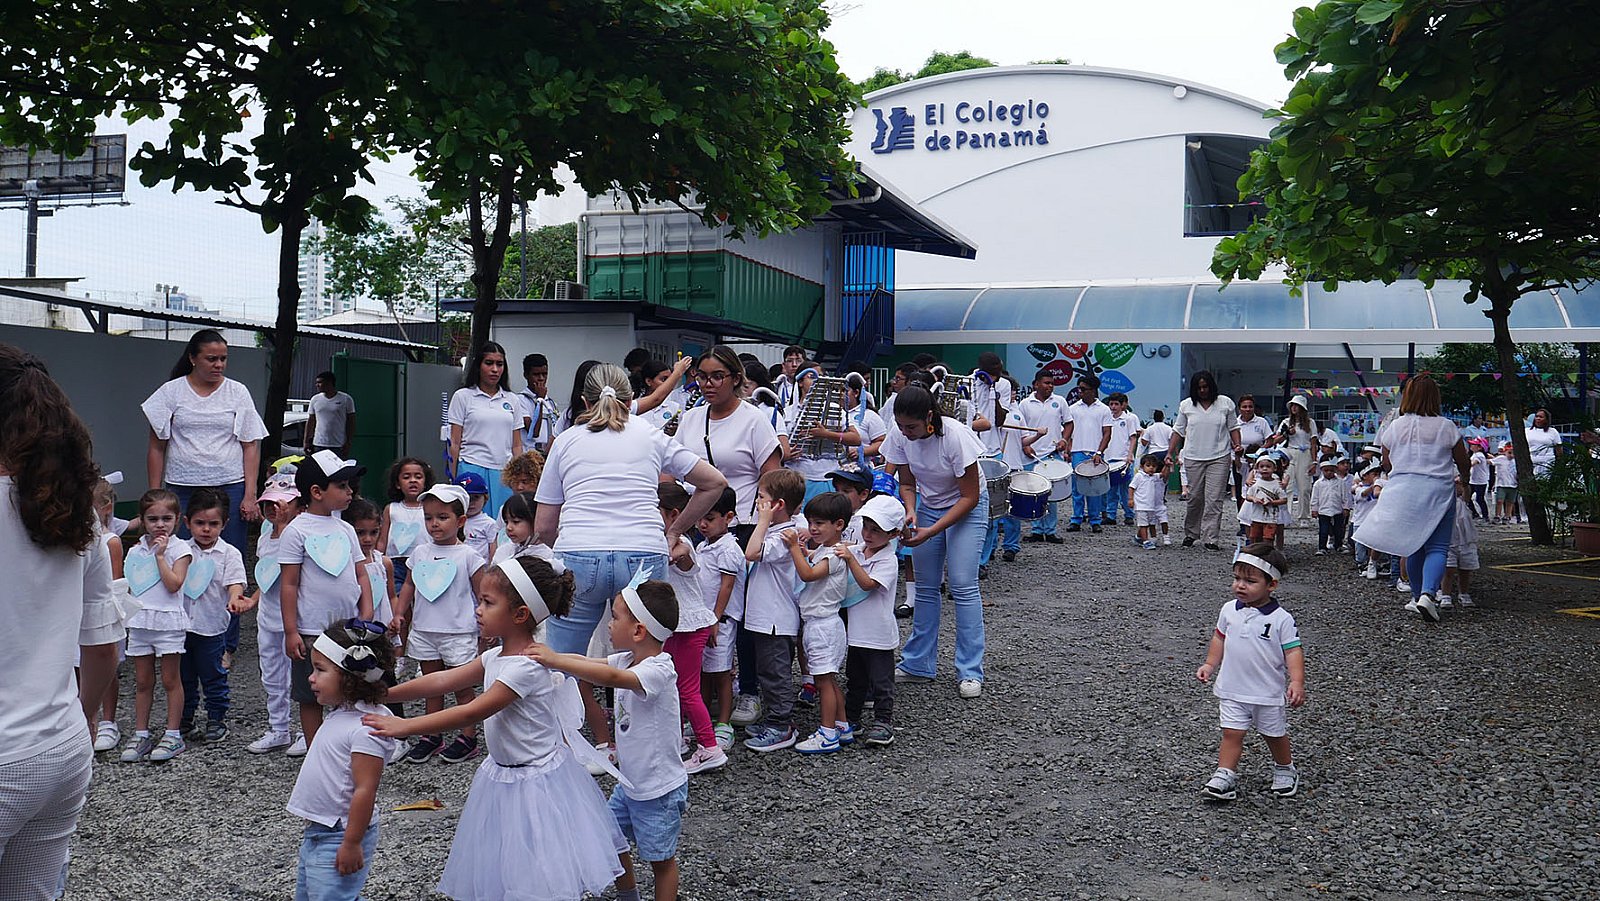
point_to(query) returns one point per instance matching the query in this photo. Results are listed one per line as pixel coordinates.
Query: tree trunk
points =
(1501, 297)
(489, 255)
(286, 330)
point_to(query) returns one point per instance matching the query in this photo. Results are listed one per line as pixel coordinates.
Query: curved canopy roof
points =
(1243, 312)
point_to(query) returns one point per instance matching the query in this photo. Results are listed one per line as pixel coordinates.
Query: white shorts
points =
(1462, 557)
(1271, 720)
(1150, 517)
(144, 642)
(451, 648)
(824, 643)
(719, 659)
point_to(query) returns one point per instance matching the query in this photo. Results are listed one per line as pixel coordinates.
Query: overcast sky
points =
(222, 257)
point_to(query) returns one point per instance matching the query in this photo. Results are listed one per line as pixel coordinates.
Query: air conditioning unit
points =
(565, 290)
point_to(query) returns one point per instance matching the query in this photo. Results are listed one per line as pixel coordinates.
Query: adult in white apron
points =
(1298, 435)
(1415, 516)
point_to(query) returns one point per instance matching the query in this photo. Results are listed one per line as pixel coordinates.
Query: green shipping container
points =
(715, 283)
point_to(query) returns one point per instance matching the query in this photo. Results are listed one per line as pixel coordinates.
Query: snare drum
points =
(1116, 467)
(1030, 495)
(1094, 478)
(1059, 472)
(997, 482)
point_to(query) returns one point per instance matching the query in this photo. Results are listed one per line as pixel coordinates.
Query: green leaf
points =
(706, 146)
(1375, 11)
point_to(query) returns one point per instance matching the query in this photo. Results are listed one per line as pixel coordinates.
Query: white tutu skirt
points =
(533, 834)
(160, 620)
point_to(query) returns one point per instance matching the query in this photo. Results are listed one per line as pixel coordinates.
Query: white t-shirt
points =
(1296, 438)
(482, 530)
(871, 623)
(870, 426)
(936, 461)
(984, 398)
(382, 589)
(205, 435)
(1050, 415)
(332, 416)
(647, 727)
(451, 610)
(1254, 642)
(1149, 492)
(161, 608)
(269, 612)
(49, 601)
(329, 554)
(716, 559)
(211, 571)
(1479, 474)
(694, 612)
(606, 482)
(1253, 432)
(325, 785)
(1420, 445)
(1328, 496)
(1088, 425)
(1124, 426)
(506, 550)
(1542, 444)
(1157, 437)
(405, 529)
(769, 601)
(488, 422)
(1011, 451)
(1206, 431)
(661, 415)
(1505, 471)
(738, 444)
(525, 732)
(820, 599)
(1365, 499)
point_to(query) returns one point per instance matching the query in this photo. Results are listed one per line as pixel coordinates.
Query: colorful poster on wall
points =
(1148, 373)
(1357, 428)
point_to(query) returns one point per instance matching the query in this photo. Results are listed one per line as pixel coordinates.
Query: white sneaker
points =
(299, 748)
(970, 688)
(1166, 541)
(1222, 786)
(1371, 571)
(705, 759)
(1285, 780)
(107, 736)
(746, 710)
(1428, 608)
(1445, 603)
(1464, 601)
(1411, 606)
(270, 741)
(1403, 586)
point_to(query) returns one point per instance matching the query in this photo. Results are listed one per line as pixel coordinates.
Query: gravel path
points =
(1455, 760)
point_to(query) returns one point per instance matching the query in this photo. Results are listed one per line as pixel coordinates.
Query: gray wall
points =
(108, 377)
(424, 383)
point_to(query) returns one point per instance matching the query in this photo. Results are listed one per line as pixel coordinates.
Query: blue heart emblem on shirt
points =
(433, 577)
(141, 572)
(402, 535)
(199, 577)
(331, 553)
(267, 570)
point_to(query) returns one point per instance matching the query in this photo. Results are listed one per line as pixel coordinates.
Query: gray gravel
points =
(1454, 760)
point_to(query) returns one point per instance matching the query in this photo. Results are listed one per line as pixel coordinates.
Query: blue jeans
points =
(201, 664)
(317, 878)
(1118, 496)
(953, 552)
(600, 576)
(499, 492)
(1095, 505)
(234, 533)
(1425, 568)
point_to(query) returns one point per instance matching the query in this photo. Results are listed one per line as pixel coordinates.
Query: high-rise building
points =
(316, 300)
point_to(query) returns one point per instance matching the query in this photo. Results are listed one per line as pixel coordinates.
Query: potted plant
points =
(1570, 492)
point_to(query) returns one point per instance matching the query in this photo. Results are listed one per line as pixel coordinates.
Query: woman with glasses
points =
(731, 435)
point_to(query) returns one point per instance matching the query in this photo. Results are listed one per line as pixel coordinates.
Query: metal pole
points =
(1583, 379)
(1288, 379)
(522, 256)
(1351, 356)
(1411, 360)
(31, 267)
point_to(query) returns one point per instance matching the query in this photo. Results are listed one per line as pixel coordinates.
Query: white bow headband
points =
(358, 659)
(1258, 563)
(531, 598)
(630, 596)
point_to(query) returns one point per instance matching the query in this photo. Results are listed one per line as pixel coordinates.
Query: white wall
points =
(1103, 199)
(567, 339)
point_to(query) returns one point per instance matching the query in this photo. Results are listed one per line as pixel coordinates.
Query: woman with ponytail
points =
(55, 599)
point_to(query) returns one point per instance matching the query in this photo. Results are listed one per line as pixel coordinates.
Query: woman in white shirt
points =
(55, 599)
(1298, 434)
(1254, 432)
(485, 419)
(1544, 442)
(1415, 515)
(735, 437)
(947, 517)
(1205, 438)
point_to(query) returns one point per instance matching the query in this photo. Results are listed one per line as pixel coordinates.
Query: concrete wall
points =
(567, 340)
(108, 377)
(425, 383)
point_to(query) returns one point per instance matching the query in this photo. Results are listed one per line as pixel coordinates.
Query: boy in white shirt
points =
(722, 574)
(1147, 495)
(872, 633)
(1461, 561)
(1365, 493)
(771, 616)
(1125, 429)
(1505, 491)
(822, 632)
(483, 531)
(1328, 504)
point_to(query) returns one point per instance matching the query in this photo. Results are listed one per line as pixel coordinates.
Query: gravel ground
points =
(1453, 760)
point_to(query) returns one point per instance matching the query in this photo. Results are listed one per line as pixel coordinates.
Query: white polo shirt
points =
(1157, 437)
(1124, 427)
(487, 422)
(984, 398)
(1049, 414)
(1255, 640)
(1088, 424)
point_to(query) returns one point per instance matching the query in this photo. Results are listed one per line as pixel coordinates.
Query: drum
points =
(1117, 467)
(1094, 478)
(997, 481)
(1030, 495)
(1059, 472)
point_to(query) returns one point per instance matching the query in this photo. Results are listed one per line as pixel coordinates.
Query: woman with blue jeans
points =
(485, 419)
(935, 459)
(1414, 517)
(598, 509)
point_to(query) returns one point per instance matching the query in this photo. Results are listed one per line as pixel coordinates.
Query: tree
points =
(552, 257)
(407, 265)
(1433, 141)
(938, 63)
(735, 110)
(1466, 374)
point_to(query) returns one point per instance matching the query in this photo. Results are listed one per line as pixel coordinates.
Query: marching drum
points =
(997, 481)
(1059, 472)
(1030, 495)
(1094, 478)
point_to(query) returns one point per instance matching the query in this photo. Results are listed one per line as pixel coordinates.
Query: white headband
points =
(531, 598)
(640, 613)
(358, 659)
(1258, 563)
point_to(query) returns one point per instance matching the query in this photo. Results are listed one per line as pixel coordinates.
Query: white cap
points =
(334, 468)
(448, 493)
(886, 512)
(1299, 399)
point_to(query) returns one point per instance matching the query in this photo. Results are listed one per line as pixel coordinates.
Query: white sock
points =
(173, 733)
(142, 733)
(911, 594)
(841, 725)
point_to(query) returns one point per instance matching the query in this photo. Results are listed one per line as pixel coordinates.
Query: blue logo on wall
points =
(899, 133)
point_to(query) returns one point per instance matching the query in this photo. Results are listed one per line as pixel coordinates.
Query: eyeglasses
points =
(714, 376)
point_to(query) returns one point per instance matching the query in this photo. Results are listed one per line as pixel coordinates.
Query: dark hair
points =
(158, 496)
(907, 369)
(858, 366)
(1239, 401)
(671, 496)
(351, 685)
(660, 600)
(793, 349)
(784, 485)
(556, 590)
(1157, 415)
(755, 372)
(395, 494)
(1150, 460)
(775, 370)
(726, 503)
(1044, 373)
(1089, 381)
(920, 377)
(830, 506)
(328, 376)
(635, 358)
(725, 355)
(520, 505)
(990, 362)
(533, 361)
(651, 368)
(916, 402)
(360, 510)
(1118, 398)
(1203, 378)
(208, 499)
(581, 375)
(185, 364)
(1269, 552)
(49, 453)
(924, 360)
(476, 365)
(310, 476)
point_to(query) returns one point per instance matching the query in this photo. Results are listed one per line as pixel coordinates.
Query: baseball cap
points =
(884, 483)
(862, 477)
(473, 483)
(331, 466)
(449, 493)
(278, 491)
(886, 512)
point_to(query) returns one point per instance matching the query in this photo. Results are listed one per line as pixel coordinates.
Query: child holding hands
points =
(822, 634)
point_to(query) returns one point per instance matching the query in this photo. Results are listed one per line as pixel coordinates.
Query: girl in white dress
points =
(535, 825)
